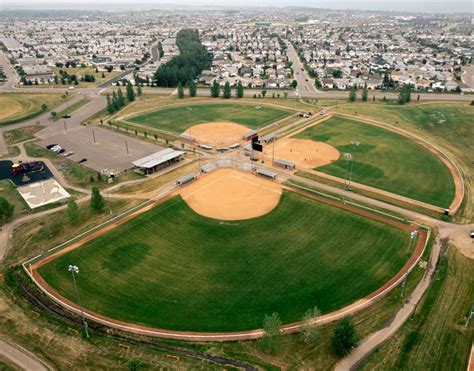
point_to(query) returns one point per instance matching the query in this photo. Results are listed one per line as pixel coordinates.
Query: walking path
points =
(21, 357)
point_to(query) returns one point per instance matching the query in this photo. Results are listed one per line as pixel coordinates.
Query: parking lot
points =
(103, 148)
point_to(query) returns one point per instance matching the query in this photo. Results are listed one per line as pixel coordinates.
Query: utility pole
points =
(126, 148)
(347, 156)
(93, 136)
(74, 269)
(65, 129)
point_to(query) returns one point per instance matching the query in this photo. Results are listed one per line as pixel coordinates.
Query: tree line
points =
(186, 66)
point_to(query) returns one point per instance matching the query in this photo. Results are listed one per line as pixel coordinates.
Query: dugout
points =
(284, 164)
(266, 173)
(186, 137)
(269, 138)
(186, 179)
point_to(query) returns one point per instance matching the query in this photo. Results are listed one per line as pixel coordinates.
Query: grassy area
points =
(200, 286)
(21, 134)
(448, 125)
(436, 338)
(70, 109)
(9, 192)
(100, 76)
(16, 107)
(373, 195)
(36, 236)
(13, 151)
(178, 119)
(385, 160)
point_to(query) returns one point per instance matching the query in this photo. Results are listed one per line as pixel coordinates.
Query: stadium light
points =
(74, 269)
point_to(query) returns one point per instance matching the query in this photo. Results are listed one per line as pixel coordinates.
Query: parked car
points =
(66, 116)
(56, 149)
(49, 146)
(62, 150)
(68, 153)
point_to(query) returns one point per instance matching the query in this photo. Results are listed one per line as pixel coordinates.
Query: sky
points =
(460, 6)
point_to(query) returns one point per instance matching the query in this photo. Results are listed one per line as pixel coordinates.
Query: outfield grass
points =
(385, 160)
(178, 119)
(15, 107)
(171, 268)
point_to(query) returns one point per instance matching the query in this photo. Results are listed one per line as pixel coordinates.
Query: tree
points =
(365, 93)
(240, 90)
(405, 94)
(130, 92)
(54, 114)
(120, 98)
(310, 329)
(139, 90)
(180, 91)
(97, 201)
(273, 335)
(72, 211)
(353, 94)
(294, 84)
(344, 337)
(110, 106)
(6, 209)
(115, 101)
(44, 107)
(264, 92)
(227, 90)
(192, 89)
(215, 89)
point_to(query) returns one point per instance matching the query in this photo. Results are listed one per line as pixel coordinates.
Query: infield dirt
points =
(217, 133)
(228, 194)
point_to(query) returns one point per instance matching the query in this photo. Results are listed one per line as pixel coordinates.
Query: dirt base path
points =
(219, 133)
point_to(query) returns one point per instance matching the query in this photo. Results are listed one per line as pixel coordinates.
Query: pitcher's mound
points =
(219, 133)
(304, 153)
(228, 194)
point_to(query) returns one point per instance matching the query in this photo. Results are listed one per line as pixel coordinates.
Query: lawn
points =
(171, 268)
(385, 160)
(17, 107)
(178, 119)
(21, 134)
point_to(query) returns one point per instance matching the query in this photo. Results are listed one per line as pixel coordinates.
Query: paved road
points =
(12, 76)
(21, 357)
(306, 87)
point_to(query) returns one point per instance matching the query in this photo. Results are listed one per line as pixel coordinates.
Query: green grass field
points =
(14, 107)
(173, 269)
(178, 119)
(385, 160)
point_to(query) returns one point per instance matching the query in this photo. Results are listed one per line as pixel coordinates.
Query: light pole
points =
(354, 144)
(74, 269)
(348, 157)
(189, 109)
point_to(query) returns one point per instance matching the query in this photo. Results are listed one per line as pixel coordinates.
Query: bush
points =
(344, 337)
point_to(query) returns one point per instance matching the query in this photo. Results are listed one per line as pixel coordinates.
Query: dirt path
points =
(373, 341)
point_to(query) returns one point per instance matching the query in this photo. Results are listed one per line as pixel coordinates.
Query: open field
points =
(385, 160)
(21, 134)
(438, 325)
(448, 125)
(82, 71)
(200, 286)
(178, 119)
(16, 107)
